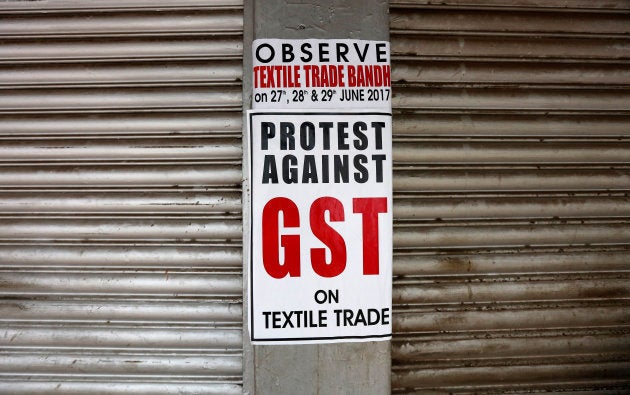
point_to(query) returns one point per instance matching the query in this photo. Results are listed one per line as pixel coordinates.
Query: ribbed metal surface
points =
(120, 200)
(511, 205)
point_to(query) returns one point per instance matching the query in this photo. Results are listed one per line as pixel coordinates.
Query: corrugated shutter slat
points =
(120, 197)
(511, 204)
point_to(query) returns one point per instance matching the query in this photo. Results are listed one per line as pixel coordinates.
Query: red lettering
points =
(278, 268)
(328, 236)
(270, 82)
(369, 76)
(352, 76)
(360, 76)
(256, 77)
(315, 76)
(340, 72)
(369, 208)
(277, 77)
(307, 75)
(324, 76)
(271, 239)
(295, 81)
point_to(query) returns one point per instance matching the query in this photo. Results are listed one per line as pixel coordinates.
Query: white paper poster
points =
(320, 154)
(310, 74)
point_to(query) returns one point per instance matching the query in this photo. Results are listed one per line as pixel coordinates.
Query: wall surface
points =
(352, 368)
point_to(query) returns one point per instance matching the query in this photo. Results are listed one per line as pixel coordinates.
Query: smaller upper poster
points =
(321, 74)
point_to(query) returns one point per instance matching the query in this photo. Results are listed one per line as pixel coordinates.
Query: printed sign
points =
(321, 226)
(321, 191)
(318, 74)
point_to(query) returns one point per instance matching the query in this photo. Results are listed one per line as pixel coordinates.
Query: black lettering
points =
(307, 136)
(272, 53)
(360, 318)
(337, 316)
(325, 178)
(340, 164)
(298, 314)
(373, 317)
(287, 53)
(287, 319)
(312, 323)
(276, 319)
(378, 133)
(270, 172)
(326, 126)
(342, 51)
(358, 129)
(385, 316)
(381, 52)
(289, 170)
(342, 135)
(361, 175)
(287, 136)
(322, 318)
(267, 131)
(306, 50)
(347, 317)
(266, 314)
(363, 55)
(378, 161)
(309, 172)
(323, 52)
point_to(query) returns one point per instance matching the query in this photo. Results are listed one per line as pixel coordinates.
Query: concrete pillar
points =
(345, 368)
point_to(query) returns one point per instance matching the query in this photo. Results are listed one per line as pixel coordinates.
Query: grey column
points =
(346, 368)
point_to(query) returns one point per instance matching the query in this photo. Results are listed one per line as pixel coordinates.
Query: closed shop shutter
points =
(511, 181)
(120, 198)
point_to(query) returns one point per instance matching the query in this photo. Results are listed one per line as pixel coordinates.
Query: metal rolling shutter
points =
(120, 199)
(512, 234)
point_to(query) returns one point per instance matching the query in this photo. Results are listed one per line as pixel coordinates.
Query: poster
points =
(320, 264)
(320, 74)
